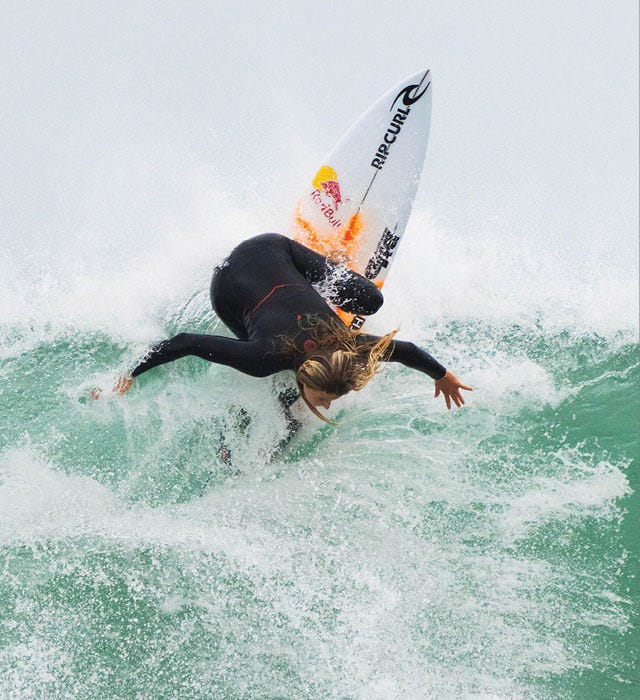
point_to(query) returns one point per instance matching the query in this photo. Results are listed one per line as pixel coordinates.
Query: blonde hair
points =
(339, 363)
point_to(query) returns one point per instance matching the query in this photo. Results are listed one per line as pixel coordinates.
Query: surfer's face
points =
(319, 398)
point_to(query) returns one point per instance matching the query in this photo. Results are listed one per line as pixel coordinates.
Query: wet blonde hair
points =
(339, 363)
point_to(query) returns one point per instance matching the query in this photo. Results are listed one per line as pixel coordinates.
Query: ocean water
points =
(408, 552)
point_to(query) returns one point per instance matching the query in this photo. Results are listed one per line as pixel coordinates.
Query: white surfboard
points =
(356, 206)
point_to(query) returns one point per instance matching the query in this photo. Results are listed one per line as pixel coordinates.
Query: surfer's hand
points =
(450, 387)
(121, 386)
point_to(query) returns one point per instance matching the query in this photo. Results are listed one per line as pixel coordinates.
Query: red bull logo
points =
(326, 181)
(327, 195)
(323, 222)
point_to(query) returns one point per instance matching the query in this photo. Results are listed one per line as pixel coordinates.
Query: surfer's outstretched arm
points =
(246, 356)
(410, 355)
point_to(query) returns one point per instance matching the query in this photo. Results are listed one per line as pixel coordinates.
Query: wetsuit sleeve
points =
(410, 355)
(248, 357)
(347, 289)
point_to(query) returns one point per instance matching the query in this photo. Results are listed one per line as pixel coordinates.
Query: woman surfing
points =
(263, 292)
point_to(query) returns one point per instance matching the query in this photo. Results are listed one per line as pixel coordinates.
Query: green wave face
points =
(406, 552)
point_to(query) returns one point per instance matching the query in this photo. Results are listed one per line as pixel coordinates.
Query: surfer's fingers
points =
(123, 384)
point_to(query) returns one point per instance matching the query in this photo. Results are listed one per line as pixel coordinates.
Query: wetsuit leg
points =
(350, 291)
(270, 261)
(229, 318)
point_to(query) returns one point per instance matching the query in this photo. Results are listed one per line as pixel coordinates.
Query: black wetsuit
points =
(263, 292)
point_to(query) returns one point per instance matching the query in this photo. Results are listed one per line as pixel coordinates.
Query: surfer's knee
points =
(372, 301)
(377, 300)
(365, 300)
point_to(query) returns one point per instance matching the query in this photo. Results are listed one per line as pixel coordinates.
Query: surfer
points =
(263, 292)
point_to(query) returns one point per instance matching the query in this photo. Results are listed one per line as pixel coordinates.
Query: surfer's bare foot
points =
(449, 386)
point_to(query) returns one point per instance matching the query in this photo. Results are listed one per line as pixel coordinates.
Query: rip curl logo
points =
(327, 194)
(409, 96)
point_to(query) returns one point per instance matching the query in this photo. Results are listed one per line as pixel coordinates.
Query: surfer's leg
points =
(249, 273)
(222, 308)
(358, 295)
(345, 288)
